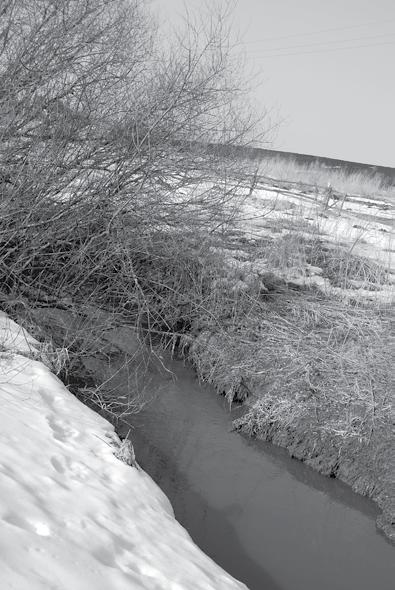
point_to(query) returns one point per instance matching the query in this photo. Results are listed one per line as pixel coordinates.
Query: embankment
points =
(313, 374)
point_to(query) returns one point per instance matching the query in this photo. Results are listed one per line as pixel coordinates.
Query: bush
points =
(109, 193)
(103, 149)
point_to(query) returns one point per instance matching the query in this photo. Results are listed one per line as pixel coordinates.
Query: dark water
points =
(265, 518)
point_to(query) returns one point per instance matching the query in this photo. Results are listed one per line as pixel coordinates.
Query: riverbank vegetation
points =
(114, 213)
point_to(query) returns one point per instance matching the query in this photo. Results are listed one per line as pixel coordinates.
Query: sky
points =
(324, 68)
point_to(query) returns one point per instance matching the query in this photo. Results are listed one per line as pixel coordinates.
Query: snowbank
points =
(72, 516)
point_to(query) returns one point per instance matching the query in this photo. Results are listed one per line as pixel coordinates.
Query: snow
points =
(14, 338)
(72, 516)
(358, 225)
(363, 226)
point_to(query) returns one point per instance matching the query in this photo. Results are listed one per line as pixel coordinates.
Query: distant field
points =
(346, 177)
(339, 179)
(384, 173)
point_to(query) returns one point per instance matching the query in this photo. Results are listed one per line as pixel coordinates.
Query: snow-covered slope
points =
(72, 516)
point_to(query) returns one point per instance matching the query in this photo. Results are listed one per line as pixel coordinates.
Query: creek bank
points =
(270, 521)
(368, 469)
(72, 515)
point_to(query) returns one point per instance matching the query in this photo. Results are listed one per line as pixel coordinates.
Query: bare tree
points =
(110, 178)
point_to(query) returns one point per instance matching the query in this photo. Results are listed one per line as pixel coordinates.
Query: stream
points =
(267, 519)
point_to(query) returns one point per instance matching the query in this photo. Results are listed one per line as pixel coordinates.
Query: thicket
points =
(108, 195)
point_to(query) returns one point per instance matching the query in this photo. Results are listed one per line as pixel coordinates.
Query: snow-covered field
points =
(72, 515)
(356, 225)
(365, 225)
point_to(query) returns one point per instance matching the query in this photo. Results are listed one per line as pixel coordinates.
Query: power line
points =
(319, 43)
(329, 50)
(333, 29)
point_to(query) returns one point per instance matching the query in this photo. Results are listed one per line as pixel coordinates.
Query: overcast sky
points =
(328, 68)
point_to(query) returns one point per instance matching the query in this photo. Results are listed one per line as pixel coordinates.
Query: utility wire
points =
(328, 50)
(334, 29)
(319, 43)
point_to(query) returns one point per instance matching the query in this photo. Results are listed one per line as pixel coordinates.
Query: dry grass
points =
(345, 269)
(305, 357)
(317, 175)
(339, 264)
